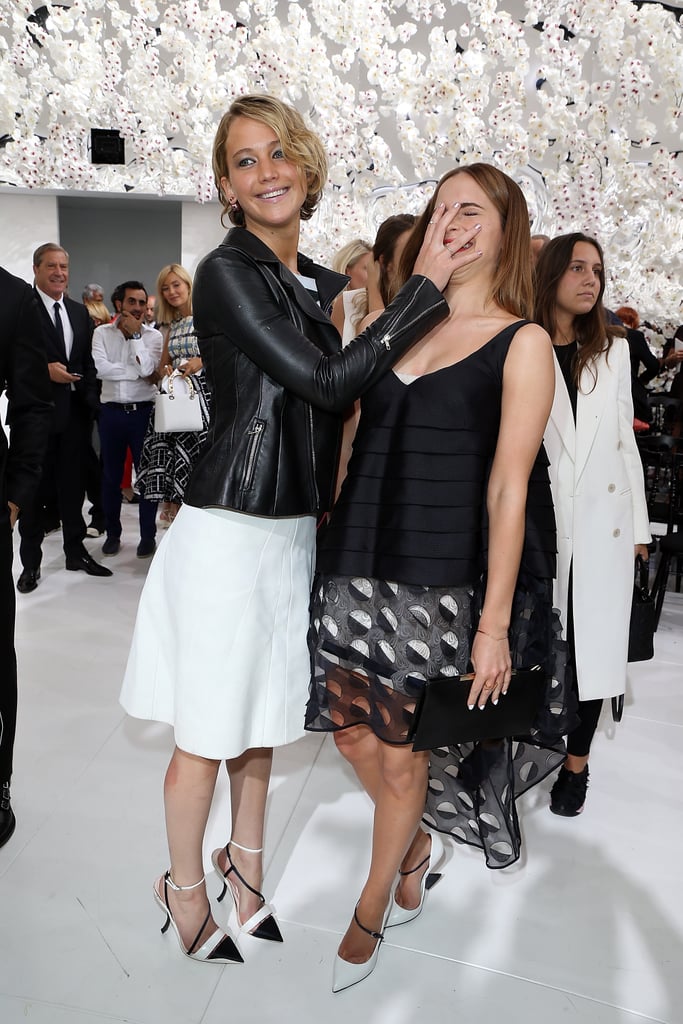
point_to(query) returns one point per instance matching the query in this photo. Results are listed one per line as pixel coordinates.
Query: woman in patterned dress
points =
(450, 438)
(168, 458)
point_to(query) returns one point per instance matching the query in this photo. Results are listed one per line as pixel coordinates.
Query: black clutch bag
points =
(443, 718)
(641, 633)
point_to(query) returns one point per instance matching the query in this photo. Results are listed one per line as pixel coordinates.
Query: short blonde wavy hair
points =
(299, 144)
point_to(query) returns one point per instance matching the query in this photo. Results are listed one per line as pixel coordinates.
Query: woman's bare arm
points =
(528, 388)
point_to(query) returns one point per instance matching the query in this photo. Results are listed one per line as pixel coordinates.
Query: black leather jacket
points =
(279, 379)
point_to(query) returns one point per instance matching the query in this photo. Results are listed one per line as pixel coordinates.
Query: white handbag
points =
(176, 407)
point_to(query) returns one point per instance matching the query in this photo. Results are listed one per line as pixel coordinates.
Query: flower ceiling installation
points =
(580, 100)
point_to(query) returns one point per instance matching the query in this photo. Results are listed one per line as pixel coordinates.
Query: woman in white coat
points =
(598, 490)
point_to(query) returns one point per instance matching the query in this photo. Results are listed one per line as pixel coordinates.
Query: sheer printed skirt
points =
(374, 644)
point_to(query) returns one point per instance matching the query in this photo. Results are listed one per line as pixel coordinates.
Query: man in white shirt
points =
(126, 354)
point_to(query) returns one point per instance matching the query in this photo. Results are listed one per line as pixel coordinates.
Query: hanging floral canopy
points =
(580, 100)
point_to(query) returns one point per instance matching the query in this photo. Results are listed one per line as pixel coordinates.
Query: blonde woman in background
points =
(168, 458)
(349, 308)
(98, 312)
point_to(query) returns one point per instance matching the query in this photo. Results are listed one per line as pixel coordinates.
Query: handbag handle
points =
(188, 381)
(642, 575)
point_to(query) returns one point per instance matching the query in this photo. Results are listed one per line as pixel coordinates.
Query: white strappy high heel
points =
(262, 924)
(219, 948)
(345, 974)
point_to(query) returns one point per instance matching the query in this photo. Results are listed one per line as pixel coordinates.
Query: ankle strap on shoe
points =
(411, 871)
(182, 888)
(247, 849)
(375, 935)
(233, 870)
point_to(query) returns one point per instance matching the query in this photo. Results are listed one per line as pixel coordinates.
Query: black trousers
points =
(580, 739)
(63, 474)
(8, 658)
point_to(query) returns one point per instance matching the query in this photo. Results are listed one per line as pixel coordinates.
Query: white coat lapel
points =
(562, 414)
(594, 397)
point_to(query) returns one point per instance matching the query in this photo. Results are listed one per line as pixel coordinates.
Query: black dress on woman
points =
(399, 584)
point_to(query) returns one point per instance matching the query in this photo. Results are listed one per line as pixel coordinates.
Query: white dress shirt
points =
(68, 330)
(122, 363)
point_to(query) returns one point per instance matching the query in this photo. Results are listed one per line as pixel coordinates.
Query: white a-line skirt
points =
(219, 650)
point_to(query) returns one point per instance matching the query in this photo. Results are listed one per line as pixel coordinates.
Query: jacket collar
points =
(578, 436)
(328, 282)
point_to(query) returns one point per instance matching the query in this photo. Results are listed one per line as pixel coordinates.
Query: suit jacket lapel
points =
(562, 414)
(55, 340)
(593, 399)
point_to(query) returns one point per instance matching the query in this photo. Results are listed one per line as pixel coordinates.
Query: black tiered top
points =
(412, 507)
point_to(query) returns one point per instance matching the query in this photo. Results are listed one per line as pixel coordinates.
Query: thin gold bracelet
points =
(491, 636)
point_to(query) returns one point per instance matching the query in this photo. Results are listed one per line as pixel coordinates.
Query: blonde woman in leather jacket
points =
(219, 650)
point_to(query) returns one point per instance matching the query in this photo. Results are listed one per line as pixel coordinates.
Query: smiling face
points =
(52, 273)
(579, 287)
(175, 291)
(134, 302)
(269, 188)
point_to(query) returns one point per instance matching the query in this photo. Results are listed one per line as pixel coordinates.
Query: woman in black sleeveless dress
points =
(447, 450)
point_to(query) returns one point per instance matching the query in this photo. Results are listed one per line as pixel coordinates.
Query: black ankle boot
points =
(568, 795)
(7, 819)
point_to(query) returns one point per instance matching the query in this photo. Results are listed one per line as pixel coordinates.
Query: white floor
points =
(588, 927)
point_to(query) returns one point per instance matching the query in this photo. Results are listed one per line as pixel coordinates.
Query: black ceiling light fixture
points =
(106, 146)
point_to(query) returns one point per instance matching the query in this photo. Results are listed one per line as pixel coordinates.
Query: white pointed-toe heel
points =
(401, 915)
(219, 948)
(346, 974)
(262, 924)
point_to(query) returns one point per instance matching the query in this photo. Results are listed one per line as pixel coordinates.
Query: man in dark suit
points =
(24, 375)
(66, 333)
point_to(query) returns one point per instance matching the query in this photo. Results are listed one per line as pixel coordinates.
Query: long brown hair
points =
(511, 288)
(592, 330)
(388, 234)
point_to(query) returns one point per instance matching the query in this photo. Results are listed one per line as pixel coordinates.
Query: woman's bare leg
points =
(188, 791)
(361, 748)
(249, 776)
(399, 804)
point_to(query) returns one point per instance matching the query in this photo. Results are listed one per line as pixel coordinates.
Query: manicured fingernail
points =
(456, 205)
(479, 252)
(495, 703)
(470, 707)
(477, 227)
(482, 706)
(504, 693)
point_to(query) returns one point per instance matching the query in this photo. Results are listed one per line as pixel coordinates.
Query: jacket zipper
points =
(313, 460)
(255, 433)
(405, 311)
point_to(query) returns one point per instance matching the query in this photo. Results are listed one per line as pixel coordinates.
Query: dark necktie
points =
(59, 326)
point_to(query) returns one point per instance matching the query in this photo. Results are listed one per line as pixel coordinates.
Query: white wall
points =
(201, 232)
(27, 221)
